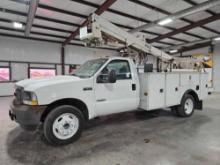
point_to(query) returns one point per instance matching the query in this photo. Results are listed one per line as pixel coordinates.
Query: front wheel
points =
(186, 108)
(63, 125)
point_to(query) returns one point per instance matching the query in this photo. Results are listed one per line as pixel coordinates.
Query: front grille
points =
(18, 95)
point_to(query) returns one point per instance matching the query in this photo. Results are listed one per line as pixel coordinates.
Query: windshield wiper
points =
(80, 76)
(74, 75)
(84, 76)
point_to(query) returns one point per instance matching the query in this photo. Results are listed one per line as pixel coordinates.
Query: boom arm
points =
(100, 25)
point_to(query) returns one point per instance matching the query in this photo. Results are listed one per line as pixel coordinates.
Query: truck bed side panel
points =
(159, 90)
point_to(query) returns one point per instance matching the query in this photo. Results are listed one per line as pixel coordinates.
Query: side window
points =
(4, 74)
(121, 68)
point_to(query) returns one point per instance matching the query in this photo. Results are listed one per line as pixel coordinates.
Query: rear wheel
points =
(186, 108)
(63, 125)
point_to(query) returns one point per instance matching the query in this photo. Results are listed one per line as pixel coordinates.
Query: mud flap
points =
(199, 105)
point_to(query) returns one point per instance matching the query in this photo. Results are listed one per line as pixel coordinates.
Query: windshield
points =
(89, 68)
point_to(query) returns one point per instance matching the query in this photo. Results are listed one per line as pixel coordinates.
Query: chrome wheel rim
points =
(188, 106)
(65, 126)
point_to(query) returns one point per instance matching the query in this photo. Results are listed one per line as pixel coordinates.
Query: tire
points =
(63, 125)
(187, 106)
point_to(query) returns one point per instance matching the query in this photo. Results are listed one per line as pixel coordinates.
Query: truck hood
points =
(35, 83)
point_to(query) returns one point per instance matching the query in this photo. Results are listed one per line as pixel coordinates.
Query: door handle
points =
(133, 87)
(101, 100)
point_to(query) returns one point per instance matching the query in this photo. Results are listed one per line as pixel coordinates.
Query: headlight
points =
(30, 98)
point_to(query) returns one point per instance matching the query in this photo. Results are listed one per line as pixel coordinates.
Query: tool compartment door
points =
(156, 91)
(203, 86)
(172, 89)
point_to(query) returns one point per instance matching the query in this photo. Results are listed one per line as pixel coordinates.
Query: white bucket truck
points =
(101, 87)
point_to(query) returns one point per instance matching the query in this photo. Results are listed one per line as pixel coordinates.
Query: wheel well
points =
(196, 97)
(194, 94)
(68, 101)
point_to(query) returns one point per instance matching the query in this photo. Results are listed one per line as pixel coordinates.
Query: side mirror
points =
(112, 76)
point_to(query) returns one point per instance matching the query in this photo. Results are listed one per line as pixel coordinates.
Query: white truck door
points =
(119, 96)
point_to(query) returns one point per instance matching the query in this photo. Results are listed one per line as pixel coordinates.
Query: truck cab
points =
(99, 87)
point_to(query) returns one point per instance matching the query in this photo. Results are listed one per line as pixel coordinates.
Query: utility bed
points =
(166, 89)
